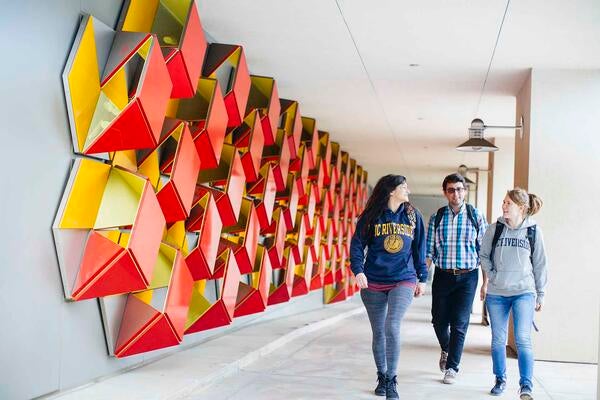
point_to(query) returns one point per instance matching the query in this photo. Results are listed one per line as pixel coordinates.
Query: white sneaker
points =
(449, 376)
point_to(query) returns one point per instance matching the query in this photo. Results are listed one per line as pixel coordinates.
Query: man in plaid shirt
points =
(453, 239)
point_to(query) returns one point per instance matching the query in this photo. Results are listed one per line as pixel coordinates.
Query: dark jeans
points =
(385, 311)
(452, 301)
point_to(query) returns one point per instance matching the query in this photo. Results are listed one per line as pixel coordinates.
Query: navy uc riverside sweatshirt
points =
(395, 248)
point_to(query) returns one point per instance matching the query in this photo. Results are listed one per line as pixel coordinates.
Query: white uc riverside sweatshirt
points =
(512, 272)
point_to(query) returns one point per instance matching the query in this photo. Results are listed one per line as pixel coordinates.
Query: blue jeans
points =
(522, 307)
(385, 311)
(451, 305)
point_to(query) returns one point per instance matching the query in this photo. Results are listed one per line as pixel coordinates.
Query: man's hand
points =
(420, 289)
(538, 307)
(361, 281)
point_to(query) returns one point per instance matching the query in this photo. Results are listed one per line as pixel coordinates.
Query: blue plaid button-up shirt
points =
(452, 245)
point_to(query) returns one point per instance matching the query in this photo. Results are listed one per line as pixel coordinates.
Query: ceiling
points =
(348, 63)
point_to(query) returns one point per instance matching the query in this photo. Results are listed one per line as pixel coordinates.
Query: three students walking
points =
(390, 255)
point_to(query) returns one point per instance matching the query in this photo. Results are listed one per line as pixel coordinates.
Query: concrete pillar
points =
(556, 157)
(501, 167)
(482, 192)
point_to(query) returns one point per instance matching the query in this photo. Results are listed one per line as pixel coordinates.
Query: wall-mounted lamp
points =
(476, 141)
(462, 171)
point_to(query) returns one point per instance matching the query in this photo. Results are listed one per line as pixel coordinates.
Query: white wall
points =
(563, 169)
(428, 204)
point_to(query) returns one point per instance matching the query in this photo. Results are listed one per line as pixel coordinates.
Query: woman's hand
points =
(361, 281)
(538, 307)
(420, 289)
(483, 291)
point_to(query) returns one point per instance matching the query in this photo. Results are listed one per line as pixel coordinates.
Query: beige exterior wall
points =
(557, 159)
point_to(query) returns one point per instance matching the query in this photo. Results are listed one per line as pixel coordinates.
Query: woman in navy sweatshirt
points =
(391, 273)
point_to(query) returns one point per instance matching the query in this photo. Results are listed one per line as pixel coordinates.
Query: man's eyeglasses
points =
(457, 190)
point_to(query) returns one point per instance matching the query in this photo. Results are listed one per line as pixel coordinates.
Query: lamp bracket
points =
(504, 126)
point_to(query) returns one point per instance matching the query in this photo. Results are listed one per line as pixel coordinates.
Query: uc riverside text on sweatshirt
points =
(512, 272)
(395, 248)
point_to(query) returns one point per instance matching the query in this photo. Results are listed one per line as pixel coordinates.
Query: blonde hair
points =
(530, 201)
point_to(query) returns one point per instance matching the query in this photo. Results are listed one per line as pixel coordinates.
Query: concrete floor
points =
(334, 362)
(337, 364)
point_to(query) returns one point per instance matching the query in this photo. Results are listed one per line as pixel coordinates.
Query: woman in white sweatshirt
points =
(514, 258)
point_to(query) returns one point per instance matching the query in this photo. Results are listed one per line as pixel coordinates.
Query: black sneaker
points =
(443, 359)
(499, 387)
(390, 389)
(525, 393)
(380, 389)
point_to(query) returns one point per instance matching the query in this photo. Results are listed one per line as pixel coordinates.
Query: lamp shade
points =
(476, 142)
(477, 145)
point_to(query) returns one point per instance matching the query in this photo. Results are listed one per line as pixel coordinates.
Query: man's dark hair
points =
(453, 178)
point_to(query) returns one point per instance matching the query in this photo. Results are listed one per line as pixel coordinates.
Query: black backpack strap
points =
(471, 215)
(438, 217)
(439, 214)
(497, 234)
(531, 238)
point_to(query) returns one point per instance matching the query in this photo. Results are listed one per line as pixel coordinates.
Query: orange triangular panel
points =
(106, 269)
(159, 334)
(214, 317)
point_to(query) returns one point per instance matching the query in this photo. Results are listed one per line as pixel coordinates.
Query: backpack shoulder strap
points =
(439, 214)
(531, 237)
(438, 217)
(473, 219)
(412, 215)
(497, 234)
(471, 215)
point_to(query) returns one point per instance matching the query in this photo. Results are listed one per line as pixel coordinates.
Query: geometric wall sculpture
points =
(178, 28)
(227, 64)
(264, 98)
(253, 296)
(156, 317)
(207, 118)
(196, 194)
(204, 227)
(108, 228)
(172, 168)
(119, 103)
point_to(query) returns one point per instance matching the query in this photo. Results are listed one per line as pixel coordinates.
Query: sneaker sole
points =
(526, 397)
(379, 394)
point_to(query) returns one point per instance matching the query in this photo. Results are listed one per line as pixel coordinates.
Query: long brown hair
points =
(377, 203)
(529, 201)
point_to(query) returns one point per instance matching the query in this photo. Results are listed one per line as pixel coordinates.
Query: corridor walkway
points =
(336, 363)
(326, 355)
